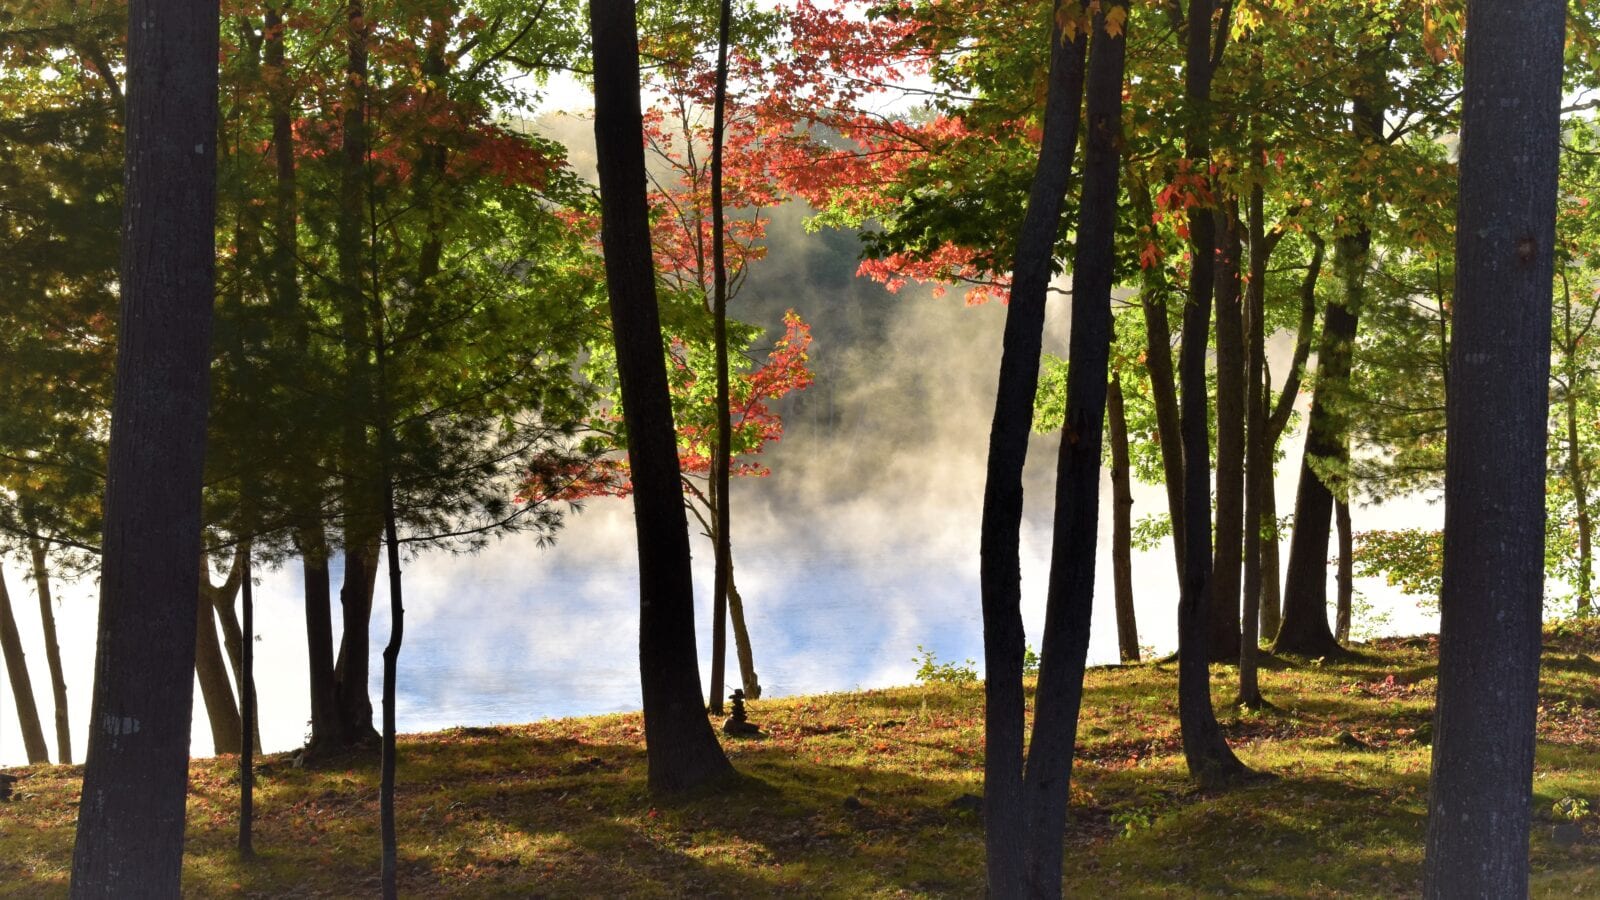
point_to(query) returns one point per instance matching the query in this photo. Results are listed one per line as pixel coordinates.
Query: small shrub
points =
(1570, 809)
(931, 671)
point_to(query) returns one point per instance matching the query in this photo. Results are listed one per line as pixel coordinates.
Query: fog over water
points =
(860, 546)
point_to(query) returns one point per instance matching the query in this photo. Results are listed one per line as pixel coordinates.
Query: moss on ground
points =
(851, 796)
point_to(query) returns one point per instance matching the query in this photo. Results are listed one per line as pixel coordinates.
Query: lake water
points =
(861, 546)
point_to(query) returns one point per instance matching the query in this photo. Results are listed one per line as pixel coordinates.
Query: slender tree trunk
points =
(1232, 391)
(1575, 477)
(1258, 447)
(52, 651)
(1277, 421)
(33, 742)
(741, 639)
(723, 578)
(1480, 793)
(222, 598)
(1210, 761)
(250, 731)
(1000, 572)
(131, 819)
(681, 750)
(327, 732)
(1163, 388)
(1070, 597)
(1346, 576)
(1121, 522)
(1271, 568)
(212, 674)
(1304, 629)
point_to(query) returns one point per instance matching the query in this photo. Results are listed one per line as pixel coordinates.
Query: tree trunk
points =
(723, 578)
(1070, 597)
(222, 597)
(131, 819)
(1000, 567)
(359, 500)
(1258, 447)
(52, 651)
(1210, 761)
(1121, 523)
(1346, 576)
(741, 639)
(212, 674)
(251, 725)
(1304, 629)
(1232, 391)
(1277, 421)
(681, 750)
(327, 731)
(1480, 792)
(1575, 477)
(350, 672)
(1163, 389)
(33, 742)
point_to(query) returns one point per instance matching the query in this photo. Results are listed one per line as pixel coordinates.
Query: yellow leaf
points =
(1116, 16)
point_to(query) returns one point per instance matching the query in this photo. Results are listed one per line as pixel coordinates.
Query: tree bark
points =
(1346, 575)
(1480, 792)
(222, 597)
(350, 671)
(131, 820)
(327, 728)
(33, 742)
(1304, 629)
(1000, 567)
(723, 578)
(52, 651)
(1232, 390)
(251, 724)
(1069, 600)
(1277, 421)
(212, 674)
(1258, 448)
(1209, 758)
(741, 639)
(1121, 523)
(360, 499)
(681, 750)
(1163, 388)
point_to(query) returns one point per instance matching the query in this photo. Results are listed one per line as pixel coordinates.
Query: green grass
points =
(558, 808)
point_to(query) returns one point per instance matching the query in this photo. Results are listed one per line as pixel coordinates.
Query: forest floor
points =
(861, 794)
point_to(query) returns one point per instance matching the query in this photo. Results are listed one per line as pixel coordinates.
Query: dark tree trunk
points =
(741, 638)
(360, 501)
(221, 598)
(1277, 421)
(33, 742)
(1258, 447)
(1070, 596)
(350, 672)
(327, 732)
(1223, 645)
(1480, 792)
(247, 771)
(719, 312)
(130, 823)
(391, 664)
(52, 651)
(1000, 570)
(1163, 388)
(1346, 575)
(681, 748)
(1210, 761)
(1121, 522)
(212, 674)
(1305, 627)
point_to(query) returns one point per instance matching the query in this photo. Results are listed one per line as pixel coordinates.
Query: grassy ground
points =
(851, 795)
